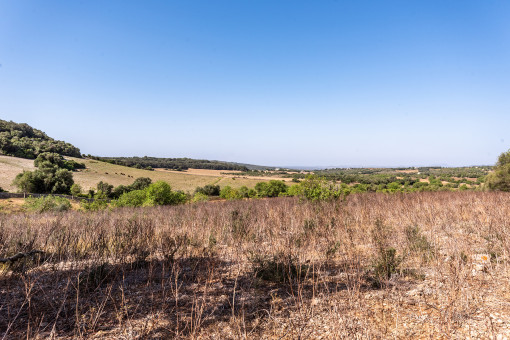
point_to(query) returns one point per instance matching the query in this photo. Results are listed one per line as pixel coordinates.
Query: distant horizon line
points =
(319, 167)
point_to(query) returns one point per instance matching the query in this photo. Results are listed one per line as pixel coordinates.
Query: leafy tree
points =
(273, 188)
(229, 193)
(245, 192)
(315, 188)
(119, 190)
(48, 180)
(62, 182)
(209, 190)
(500, 178)
(159, 193)
(104, 189)
(141, 183)
(135, 198)
(75, 189)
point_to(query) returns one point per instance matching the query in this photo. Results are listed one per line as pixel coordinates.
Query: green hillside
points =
(22, 140)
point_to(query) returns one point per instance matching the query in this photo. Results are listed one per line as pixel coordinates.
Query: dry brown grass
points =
(10, 167)
(272, 269)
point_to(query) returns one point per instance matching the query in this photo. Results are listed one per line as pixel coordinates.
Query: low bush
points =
(278, 267)
(159, 193)
(94, 205)
(46, 203)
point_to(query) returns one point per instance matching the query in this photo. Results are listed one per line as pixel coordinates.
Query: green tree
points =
(104, 189)
(229, 193)
(75, 189)
(159, 193)
(272, 188)
(135, 198)
(315, 188)
(141, 183)
(499, 179)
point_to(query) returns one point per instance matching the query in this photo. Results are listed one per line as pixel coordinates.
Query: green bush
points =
(500, 178)
(245, 192)
(46, 203)
(272, 188)
(315, 188)
(75, 189)
(229, 193)
(199, 197)
(48, 178)
(159, 193)
(94, 205)
(134, 198)
(209, 190)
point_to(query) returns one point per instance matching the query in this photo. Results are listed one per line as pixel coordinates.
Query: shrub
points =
(75, 189)
(141, 183)
(229, 193)
(94, 205)
(199, 197)
(47, 203)
(245, 192)
(278, 268)
(273, 188)
(500, 178)
(417, 242)
(134, 198)
(159, 193)
(387, 262)
(209, 190)
(315, 188)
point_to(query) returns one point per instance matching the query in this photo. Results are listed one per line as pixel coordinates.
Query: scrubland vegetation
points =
(342, 253)
(431, 264)
(21, 140)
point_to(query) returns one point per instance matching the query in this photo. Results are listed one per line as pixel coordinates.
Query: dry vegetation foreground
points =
(423, 265)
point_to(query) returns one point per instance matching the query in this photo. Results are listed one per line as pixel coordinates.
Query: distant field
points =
(226, 174)
(115, 174)
(10, 167)
(187, 181)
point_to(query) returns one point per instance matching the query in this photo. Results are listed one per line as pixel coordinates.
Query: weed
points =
(278, 268)
(92, 278)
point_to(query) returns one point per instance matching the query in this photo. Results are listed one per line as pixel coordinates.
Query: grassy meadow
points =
(97, 171)
(370, 266)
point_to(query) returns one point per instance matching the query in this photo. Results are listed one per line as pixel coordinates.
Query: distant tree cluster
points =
(149, 163)
(21, 140)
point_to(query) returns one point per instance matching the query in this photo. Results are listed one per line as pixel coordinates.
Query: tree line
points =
(170, 163)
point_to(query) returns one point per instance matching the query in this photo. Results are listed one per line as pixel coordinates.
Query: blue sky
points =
(311, 83)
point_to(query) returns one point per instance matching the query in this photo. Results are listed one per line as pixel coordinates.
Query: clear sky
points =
(312, 83)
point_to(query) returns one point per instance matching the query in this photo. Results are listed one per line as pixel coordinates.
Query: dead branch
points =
(20, 255)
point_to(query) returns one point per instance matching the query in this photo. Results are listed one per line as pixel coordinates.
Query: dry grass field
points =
(10, 167)
(372, 266)
(115, 174)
